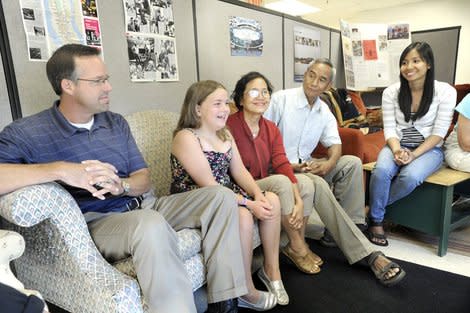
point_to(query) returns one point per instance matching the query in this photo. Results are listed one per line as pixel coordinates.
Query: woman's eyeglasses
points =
(255, 93)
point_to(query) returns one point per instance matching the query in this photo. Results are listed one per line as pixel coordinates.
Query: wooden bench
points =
(429, 207)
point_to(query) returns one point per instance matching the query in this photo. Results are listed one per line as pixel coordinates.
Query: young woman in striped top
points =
(417, 112)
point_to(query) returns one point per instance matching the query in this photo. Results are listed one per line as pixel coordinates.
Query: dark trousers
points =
(13, 301)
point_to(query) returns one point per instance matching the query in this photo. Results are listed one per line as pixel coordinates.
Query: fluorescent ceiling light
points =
(291, 7)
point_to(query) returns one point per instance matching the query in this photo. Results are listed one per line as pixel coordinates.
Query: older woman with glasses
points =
(260, 145)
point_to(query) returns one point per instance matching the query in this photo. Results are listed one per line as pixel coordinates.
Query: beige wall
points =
(421, 16)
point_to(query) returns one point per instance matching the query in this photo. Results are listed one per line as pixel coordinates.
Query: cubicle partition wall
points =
(203, 52)
(213, 43)
(445, 46)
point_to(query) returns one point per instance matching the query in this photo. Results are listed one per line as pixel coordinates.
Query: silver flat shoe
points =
(266, 301)
(275, 287)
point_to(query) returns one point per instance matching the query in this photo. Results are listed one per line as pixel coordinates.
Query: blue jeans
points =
(390, 182)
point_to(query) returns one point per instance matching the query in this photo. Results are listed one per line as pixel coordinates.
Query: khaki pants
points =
(348, 186)
(316, 194)
(147, 236)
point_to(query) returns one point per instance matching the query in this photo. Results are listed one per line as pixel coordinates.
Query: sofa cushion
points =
(153, 133)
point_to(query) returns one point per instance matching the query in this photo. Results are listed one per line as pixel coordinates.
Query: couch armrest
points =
(31, 205)
(61, 259)
(352, 143)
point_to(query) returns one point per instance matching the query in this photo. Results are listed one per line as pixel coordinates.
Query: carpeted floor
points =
(341, 288)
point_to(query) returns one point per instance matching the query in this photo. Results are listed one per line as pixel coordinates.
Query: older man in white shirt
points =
(305, 120)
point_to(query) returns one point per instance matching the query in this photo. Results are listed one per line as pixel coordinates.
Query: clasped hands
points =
(403, 156)
(319, 167)
(97, 177)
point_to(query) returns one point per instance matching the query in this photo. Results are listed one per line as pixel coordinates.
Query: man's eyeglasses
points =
(255, 93)
(97, 81)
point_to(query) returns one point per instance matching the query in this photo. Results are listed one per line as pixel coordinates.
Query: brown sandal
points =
(303, 263)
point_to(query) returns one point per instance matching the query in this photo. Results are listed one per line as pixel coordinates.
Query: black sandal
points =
(376, 238)
(380, 273)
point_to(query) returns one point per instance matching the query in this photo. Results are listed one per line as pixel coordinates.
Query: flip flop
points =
(377, 239)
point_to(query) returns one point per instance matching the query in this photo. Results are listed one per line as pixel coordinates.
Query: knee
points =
(151, 224)
(381, 172)
(276, 205)
(280, 182)
(305, 184)
(352, 161)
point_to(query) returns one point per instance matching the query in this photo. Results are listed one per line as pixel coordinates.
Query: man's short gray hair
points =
(325, 61)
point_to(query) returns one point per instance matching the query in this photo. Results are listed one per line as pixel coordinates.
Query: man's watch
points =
(126, 187)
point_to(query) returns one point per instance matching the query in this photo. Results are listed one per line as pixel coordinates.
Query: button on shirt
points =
(302, 127)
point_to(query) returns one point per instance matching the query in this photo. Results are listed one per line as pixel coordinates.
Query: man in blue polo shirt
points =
(91, 152)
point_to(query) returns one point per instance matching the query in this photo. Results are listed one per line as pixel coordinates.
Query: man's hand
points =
(300, 167)
(104, 176)
(320, 167)
(97, 177)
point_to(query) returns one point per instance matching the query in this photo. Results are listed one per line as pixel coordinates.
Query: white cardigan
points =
(435, 122)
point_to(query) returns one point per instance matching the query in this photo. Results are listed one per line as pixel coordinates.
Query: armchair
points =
(354, 142)
(61, 260)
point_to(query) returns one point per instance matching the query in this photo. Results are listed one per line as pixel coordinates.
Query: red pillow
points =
(357, 100)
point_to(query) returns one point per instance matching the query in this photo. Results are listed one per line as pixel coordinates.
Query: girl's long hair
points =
(404, 95)
(195, 95)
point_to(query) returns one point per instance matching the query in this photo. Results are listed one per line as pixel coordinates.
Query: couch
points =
(61, 260)
(354, 141)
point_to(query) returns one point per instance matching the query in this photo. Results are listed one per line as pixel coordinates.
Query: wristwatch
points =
(126, 187)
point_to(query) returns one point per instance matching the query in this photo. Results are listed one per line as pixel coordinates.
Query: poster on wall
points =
(306, 49)
(246, 37)
(51, 24)
(151, 44)
(371, 53)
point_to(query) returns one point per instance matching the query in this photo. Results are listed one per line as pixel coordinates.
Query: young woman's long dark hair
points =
(404, 96)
